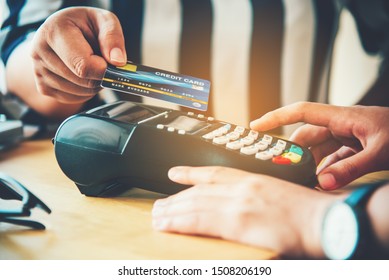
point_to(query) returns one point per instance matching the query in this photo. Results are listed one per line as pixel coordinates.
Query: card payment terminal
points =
(114, 147)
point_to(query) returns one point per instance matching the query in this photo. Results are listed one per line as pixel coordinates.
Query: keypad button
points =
(249, 150)
(181, 131)
(276, 151)
(233, 135)
(170, 129)
(200, 116)
(218, 132)
(190, 114)
(210, 119)
(262, 145)
(160, 126)
(297, 150)
(254, 134)
(281, 144)
(225, 128)
(293, 157)
(265, 155)
(248, 140)
(208, 136)
(267, 139)
(236, 145)
(281, 160)
(221, 140)
(240, 129)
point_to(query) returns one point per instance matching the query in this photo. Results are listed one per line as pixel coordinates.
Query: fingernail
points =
(157, 211)
(175, 173)
(319, 169)
(160, 224)
(117, 55)
(252, 123)
(327, 181)
(158, 208)
(160, 202)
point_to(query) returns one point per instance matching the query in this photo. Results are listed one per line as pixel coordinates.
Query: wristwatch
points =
(346, 230)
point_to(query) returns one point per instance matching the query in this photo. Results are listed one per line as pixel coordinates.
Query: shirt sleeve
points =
(19, 20)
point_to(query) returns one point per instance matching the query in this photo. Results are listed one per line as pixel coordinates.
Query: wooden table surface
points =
(81, 227)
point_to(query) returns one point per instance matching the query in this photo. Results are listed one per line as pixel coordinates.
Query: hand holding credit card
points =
(151, 82)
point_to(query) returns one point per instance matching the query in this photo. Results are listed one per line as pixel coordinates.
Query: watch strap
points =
(361, 195)
(367, 247)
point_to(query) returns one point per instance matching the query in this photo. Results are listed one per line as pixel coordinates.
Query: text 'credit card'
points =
(160, 84)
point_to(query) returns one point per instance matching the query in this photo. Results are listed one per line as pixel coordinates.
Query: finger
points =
(201, 190)
(310, 135)
(63, 97)
(48, 79)
(324, 149)
(110, 37)
(198, 214)
(70, 44)
(80, 60)
(202, 223)
(197, 198)
(346, 170)
(312, 113)
(318, 139)
(200, 175)
(62, 90)
(337, 155)
(45, 59)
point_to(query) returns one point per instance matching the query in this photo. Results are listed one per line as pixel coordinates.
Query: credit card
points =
(157, 83)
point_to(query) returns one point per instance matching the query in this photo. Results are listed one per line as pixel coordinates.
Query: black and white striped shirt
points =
(258, 54)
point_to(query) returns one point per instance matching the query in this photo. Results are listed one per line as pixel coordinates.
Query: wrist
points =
(346, 230)
(376, 209)
(311, 235)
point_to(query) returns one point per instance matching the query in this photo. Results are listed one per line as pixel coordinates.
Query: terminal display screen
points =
(127, 112)
(190, 125)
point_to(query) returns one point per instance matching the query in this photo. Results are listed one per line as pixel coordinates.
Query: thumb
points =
(345, 171)
(110, 37)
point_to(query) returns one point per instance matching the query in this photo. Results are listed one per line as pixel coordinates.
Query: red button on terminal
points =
(281, 160)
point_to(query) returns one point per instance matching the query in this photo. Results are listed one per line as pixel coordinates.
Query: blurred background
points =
(352, 72)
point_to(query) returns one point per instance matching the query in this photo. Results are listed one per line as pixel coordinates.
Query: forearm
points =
(21, 82)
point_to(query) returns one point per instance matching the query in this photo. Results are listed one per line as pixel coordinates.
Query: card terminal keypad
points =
(252, 143)
(248, 142)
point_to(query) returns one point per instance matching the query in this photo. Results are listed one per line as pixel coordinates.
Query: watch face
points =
(340, 232)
